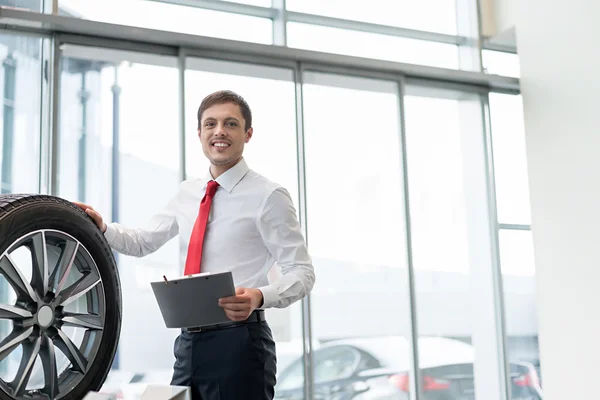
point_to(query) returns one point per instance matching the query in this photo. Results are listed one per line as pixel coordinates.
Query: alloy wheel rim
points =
(46, 314)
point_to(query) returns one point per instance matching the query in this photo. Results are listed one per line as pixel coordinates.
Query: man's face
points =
(223, 135)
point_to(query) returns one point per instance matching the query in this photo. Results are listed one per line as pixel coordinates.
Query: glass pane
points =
(172, 18)
(356, 236)
(21, 87)
(518, 275)
(21, 84)
(425, 15)
(35, 5)
(270, 93)
(510, 158)
(371, 45)
(107, 109)
(440, 245)
(500, 63)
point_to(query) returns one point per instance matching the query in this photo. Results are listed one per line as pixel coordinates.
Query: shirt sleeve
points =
(139, 242)
(281, 233)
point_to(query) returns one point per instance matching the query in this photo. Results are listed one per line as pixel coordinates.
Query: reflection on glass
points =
(447, 282)
(371, 45)
(360, 320)
(270, 93)
(440, 245)
(21, 88)
(172, 18)
(402, 13)
(518, 276)
(510, 159)
(20, 80)
(108, 109)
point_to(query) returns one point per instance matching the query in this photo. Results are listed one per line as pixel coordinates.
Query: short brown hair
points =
(225, 96)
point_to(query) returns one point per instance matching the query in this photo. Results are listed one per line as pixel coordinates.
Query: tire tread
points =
(14, 201)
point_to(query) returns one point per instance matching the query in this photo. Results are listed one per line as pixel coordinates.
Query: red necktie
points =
(194, 255)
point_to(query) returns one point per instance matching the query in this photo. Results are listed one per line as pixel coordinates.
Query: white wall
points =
(557, 42)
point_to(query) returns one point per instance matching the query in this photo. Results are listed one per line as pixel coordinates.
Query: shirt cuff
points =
(270, 296)
(110, 233)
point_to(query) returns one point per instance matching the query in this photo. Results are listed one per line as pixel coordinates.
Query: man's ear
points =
(199, 132)
(249, 134)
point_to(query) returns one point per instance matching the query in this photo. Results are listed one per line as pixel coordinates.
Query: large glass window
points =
(516, 243)
(424, 15)
(119, 152)
(371, 45)
(20, 122)
(440, 243)
(451, 246)
(21, 84)
(172, 18)
(356, 233)
(270, 93)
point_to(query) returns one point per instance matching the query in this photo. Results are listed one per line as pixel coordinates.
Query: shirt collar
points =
(230, 178)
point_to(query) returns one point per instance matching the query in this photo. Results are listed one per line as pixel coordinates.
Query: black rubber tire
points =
(21, 214)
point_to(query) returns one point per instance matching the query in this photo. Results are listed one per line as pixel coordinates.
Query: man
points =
(233, 219)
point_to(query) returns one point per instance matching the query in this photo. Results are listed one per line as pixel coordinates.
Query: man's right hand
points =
(92, 213)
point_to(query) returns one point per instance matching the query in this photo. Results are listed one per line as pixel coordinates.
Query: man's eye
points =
(209, 124)
(232, 123)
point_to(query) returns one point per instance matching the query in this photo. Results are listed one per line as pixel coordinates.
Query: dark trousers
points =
(227, 364)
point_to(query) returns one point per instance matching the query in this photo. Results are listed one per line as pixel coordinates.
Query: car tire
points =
(71, 263)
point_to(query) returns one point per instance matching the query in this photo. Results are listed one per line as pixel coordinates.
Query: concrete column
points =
(557, 42)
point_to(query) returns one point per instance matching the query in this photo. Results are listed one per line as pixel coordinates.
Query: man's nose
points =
(220, 130)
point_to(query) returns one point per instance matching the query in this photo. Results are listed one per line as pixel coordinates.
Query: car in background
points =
(377, 369)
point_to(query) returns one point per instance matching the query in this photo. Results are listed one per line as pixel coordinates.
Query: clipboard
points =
(193, 300)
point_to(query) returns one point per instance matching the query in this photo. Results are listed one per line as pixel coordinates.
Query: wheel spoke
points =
(48, 356)
(63, 267)
(13, 312)
(89, 321)
(12, 341)
(39, 258)
(78, 289)
(15, 278)
(30, 353)
(64, 343)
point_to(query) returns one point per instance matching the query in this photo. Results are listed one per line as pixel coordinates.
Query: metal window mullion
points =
(470, 56)
(181, 91)
(302, 207)
(468, 21)
(514, 227)
(44, 117)
(415, 372)
(280, 23)
(54, 134)
(499, 309)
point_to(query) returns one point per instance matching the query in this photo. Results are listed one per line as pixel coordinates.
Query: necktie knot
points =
(211, 188)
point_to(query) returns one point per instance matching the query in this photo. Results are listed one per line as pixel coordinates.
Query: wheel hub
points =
(45, 316)
(62, 274)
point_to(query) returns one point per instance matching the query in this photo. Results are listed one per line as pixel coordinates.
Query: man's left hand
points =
(240, 306)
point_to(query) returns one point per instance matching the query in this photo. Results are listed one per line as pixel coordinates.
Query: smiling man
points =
(233, 219)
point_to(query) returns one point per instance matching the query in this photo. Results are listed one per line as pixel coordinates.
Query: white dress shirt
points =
(252, 225)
